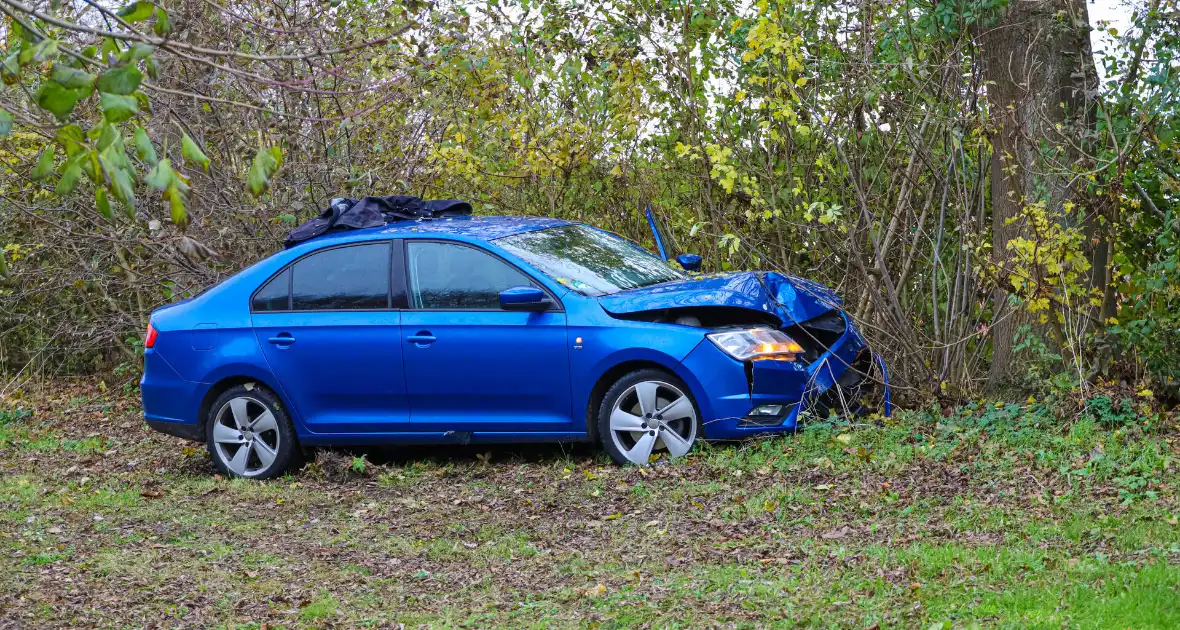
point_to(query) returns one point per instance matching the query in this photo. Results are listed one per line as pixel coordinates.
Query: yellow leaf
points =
(844, 438)
(612, 517)
(1146, 393)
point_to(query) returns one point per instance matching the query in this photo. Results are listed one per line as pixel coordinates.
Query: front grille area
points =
(846, 396)
(818, 334)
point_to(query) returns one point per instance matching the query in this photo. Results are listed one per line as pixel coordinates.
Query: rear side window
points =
(274, 295)
(457, 277)
(343, 278)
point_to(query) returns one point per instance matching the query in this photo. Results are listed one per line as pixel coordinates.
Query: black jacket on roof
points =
(355, 214)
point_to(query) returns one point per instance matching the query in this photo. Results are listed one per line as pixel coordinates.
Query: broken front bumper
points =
(728, 391)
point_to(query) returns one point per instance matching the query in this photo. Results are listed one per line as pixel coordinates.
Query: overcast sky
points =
(1116, 12)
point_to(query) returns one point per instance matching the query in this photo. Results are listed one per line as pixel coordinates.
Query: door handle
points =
(283, 339)
(423, 338)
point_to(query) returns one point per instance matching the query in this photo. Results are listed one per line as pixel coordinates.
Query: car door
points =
(471, 366)
(328, 325)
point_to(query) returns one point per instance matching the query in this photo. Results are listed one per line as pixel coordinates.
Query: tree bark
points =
(1041, 82)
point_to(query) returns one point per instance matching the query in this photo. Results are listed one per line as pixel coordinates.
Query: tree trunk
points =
(1040, 87)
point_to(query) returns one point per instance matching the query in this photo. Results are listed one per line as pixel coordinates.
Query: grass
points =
(988, 516)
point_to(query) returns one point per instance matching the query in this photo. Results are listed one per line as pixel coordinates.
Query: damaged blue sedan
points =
(493, 329)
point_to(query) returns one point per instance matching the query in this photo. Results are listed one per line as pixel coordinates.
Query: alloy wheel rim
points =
(653, 416)
(246, 436)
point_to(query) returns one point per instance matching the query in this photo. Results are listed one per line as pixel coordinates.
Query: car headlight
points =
(757, 344)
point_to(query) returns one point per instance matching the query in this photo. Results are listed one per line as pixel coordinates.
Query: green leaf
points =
(119, 176)
(289, 219)
(177, 206)
(71, 137)
(121, 185)
(161, 176)
(17, 33)
(56, 99)
(103, 204)
(72, 78)
(153, 70)
(70, 176)
(117, 108)
(44, 164)
(109, 47)
(191, 151)
(266, 162)
(137, 52)
(10, 69)
(163, 25)
(117, 154)
(5, 123)
(143, 147)
(120, 80)
(137, 11)
(107, 136)
(91, 167)
(45, 50)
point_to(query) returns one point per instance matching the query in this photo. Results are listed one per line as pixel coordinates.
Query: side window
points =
(343, 278)
(273, 296)
(447, 276)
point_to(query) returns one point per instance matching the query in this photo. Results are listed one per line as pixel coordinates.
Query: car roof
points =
(477, 227)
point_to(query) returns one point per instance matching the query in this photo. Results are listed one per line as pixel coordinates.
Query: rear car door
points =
(471, 366)
(328, 325)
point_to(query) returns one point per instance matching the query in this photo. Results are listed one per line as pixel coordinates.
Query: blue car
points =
(491, 329)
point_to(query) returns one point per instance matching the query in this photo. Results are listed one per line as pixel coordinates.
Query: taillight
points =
(150, 339)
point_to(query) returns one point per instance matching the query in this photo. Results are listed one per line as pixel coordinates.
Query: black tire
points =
(287, 455)
(622, 387)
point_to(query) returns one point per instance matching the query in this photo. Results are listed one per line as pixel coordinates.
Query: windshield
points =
(589, 261)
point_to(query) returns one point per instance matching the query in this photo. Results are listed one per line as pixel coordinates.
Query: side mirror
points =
(524, 299)
(690, 262)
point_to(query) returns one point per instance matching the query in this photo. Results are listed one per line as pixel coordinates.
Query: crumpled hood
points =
(792, 299)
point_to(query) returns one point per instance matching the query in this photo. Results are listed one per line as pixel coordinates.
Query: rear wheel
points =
(249, 434)
(645, 413)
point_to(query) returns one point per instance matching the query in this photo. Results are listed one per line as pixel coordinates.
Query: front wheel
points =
(249, 434)
(647, 412)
